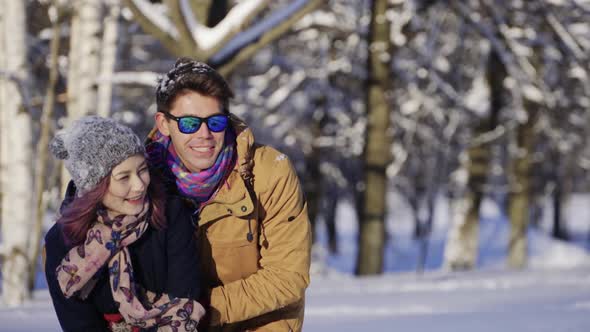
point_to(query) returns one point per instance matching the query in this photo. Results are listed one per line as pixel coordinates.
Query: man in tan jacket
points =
(249, 211)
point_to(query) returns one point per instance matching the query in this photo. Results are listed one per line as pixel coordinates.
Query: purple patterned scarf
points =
(106, 243)
(200, 185)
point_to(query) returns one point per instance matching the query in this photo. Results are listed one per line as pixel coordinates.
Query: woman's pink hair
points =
(79, 215)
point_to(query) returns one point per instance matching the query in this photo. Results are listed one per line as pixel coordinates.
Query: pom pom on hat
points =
(57, 146)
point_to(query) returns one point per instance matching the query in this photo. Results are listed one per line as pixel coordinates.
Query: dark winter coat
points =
(163, 262)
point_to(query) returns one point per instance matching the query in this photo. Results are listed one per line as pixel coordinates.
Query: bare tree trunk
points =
(331, 203)
(84, 64)
(519, 197)
(425, 220)
(16, 154)
(108, 58)
(42, 145)
(463, 240)
(563, 178)
(377, 153)
(312, 183)
(85, 51)
(559, 199)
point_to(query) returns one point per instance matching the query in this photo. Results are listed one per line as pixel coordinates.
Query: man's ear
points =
(162, 123)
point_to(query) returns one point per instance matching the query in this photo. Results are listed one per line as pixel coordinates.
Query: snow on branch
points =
(281, 94)
(157, 16)
(505, 55)
(401, 157)
(582, 4)
(447, 89)
(178, 28)
(20, 85)
(209, 39)
(488, 136)
(566, 37)
(236, 51)
(584, 162)
(324, 20)
(153, 18)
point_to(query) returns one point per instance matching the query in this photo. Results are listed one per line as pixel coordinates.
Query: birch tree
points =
(108, 57)
(92, 57)
(15, 153)
(55, 15)
(84, 58)
(533, 84)
(461, 250)
(377, 153)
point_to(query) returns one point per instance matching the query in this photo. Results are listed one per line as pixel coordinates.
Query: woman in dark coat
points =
(113, 262)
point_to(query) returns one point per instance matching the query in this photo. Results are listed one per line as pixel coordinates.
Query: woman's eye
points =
(123, 178)
(143, 170)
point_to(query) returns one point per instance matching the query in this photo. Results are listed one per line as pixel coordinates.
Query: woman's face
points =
(128, 187)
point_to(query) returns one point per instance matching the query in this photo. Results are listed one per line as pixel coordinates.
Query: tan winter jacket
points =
(255, 246)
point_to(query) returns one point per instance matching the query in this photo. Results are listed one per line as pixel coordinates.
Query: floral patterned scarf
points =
(200, 185)
(106, 243)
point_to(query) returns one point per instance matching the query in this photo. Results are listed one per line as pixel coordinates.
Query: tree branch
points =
(226, 63)
(200, 9)
(568, 40)
(156, 25)
(186, 42)
(27, 105)
(210, 40)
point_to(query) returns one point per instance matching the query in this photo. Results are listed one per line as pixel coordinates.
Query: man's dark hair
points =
(190, 75)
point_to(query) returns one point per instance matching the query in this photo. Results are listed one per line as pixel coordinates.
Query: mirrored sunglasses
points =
(191, 124)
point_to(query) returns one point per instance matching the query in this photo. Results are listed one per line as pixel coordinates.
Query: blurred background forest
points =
(464, 100)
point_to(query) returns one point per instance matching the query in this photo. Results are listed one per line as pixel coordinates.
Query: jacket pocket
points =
(234, 260)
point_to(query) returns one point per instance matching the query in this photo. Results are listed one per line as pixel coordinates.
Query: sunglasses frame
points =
(202, 120)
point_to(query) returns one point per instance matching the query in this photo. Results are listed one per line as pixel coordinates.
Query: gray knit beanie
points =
(91, 147)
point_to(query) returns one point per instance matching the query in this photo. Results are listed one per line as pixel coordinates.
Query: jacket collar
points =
(244, 148)
(233, 197)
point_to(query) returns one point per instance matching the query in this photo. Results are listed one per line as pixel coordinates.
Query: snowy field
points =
(552, 294)
(532, 300)
(535, 301)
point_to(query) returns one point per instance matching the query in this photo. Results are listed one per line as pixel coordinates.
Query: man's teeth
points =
(205, 149)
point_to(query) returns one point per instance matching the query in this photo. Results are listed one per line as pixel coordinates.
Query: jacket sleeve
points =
(285, 249)
(183, 273)
(73, 314)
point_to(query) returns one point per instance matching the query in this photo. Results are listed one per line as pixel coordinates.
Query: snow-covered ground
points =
(483, 301)
(552, 294)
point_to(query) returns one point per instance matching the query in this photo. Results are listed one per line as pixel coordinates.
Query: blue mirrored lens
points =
(189, 125)
(217, 123)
